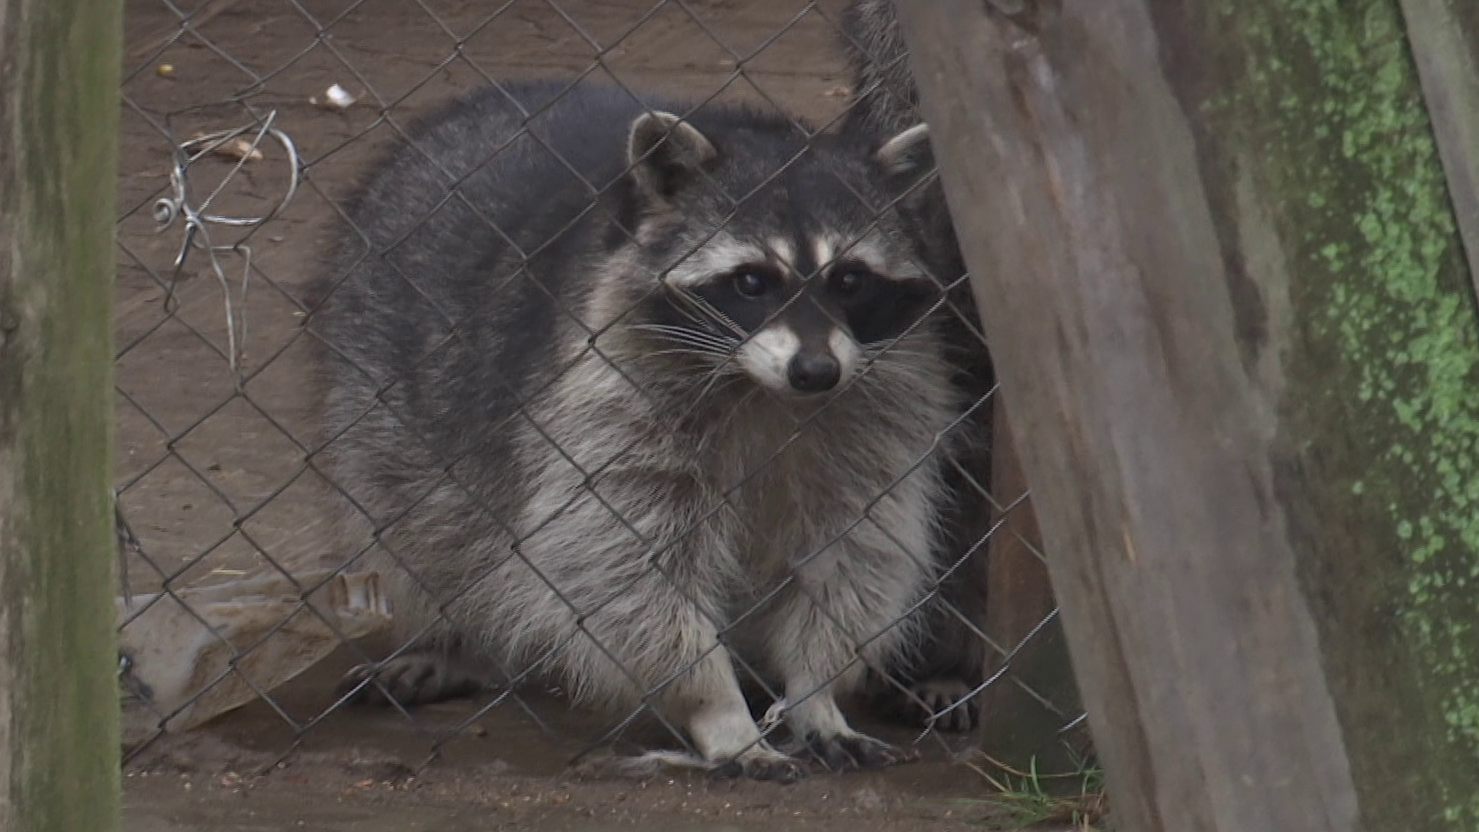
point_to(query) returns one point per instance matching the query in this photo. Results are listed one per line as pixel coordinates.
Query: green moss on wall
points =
(1385, 348)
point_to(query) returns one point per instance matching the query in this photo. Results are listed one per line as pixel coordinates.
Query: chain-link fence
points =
(592, 390)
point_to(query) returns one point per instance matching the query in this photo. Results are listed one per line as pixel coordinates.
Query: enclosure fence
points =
(246, 125)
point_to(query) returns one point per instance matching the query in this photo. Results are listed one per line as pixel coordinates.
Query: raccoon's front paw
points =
(763, 764)
(947, 697)
(411, 679)
(841, 752)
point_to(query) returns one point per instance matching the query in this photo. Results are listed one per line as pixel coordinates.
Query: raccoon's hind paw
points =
(946, 697)
(763, 764)
(411, 679)
(842, 752)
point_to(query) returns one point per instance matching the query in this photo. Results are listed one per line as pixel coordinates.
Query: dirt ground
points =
(504, 768)
(214, 485)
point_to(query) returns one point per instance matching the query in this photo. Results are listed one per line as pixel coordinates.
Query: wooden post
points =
(59, 746)
(1445, 43)
(1232, 321)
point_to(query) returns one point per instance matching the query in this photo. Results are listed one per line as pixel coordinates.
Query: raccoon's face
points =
(799, 286)
(798, 314)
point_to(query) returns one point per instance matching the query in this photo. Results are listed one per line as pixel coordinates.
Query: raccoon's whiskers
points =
(700, 341)
(703, 313)
(892, 357)
(724, 371)
(897, 349)
(689, 351)
(872, 356)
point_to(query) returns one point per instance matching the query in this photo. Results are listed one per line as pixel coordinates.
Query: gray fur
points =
(953, 659)
(562, 463)
(885, 100)
(885, 103)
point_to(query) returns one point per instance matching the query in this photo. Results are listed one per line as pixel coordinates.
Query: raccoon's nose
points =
(813, 372)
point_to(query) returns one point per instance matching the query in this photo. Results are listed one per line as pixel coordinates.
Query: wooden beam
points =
(59, 746)
(1445, 45)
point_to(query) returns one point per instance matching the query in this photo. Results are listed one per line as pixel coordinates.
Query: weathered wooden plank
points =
(1445, 44)
(1225, 295)
(58, 690)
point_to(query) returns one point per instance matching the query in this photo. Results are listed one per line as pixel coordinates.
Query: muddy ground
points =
(514, 766)
(214, 483)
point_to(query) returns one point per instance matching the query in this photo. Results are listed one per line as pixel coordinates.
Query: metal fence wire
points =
(604, 392)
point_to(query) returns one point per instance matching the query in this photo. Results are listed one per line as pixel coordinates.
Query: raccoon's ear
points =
(907, 156)
(664, 153)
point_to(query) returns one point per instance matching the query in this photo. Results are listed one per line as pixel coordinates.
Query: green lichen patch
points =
(1321, 98)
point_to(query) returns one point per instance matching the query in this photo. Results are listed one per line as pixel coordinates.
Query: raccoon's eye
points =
(750, 284)
(850, 283)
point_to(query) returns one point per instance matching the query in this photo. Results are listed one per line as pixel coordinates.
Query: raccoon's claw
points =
(842, 752)
(769, 765)
(936, 696)
(412, 679)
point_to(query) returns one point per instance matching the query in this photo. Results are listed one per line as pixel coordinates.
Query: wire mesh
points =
(247, 126)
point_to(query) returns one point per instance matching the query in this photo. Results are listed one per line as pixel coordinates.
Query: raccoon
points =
(642, 397)
(953, 659)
